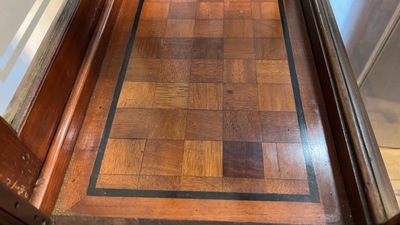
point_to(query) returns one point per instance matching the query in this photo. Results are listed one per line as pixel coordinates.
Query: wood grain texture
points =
(180, 28)
(205, 101)
(239, 48)
(149, 47)
(271, 163)
(244, 185)
(299, 187)
(205, 96)
(190, 183)
(123, 156)
(206, 71)
(174, 70)
(131, 123)
(204, 125)
(155, 11)
(19, 166)
(209, 28)
(208, 48)
(276, 97)
(210, 10)
(267, 28)
(279, 127)
(241, 126)
(243, 160)
(241, 97)
(158, 183)
(182, 10)
(60, 151)
(151, 28)
(273, 71)
(40, 126)
(143, 70)
(137, 95)
(162, 157)
(270, 48)
(117, 181)
(291, 161)
(238, 28)
(266, 10)
(239, 71)
(177, 48)
(171, 95)
(237, 9)
(340, 88)
(168, 124)
(202, 158)
(93, 125)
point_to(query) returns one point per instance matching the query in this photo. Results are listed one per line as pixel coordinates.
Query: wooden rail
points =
(61, 147)
(368, 188)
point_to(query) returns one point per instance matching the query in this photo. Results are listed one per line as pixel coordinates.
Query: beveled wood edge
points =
(367, 183)
(52, 173)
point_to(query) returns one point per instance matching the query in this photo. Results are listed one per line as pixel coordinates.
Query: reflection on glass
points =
(363, 26)
(23, 25)
(347, 13)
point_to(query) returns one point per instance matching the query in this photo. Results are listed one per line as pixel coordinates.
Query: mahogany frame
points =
(368, 188)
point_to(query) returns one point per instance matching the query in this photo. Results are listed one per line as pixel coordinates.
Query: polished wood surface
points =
(207, 105)
(19, 167)
(358, 151)
(46, 112)
(59, 155)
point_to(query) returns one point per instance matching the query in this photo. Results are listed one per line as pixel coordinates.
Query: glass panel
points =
(371, 32)
(362, 24)
(24, 25)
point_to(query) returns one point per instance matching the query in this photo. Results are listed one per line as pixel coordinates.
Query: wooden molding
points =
(45, 114)
(367, 183)
(61, 148)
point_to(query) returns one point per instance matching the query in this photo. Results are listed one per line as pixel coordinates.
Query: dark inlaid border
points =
(312, 182)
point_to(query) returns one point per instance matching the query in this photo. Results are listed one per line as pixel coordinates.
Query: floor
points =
(213, 113)
(391, 158)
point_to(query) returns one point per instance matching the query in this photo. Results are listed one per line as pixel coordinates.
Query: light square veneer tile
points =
(205, 96)
(167, 124)
(202, 158)
(122, 156)
(273, 72)
(136, 95)
(180, 28)
(162, 157)
(241, 97)
(276, 97)
(210, 10)
(171, 95)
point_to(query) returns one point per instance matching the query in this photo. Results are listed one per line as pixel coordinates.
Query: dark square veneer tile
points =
(243, 160)
(208, 48)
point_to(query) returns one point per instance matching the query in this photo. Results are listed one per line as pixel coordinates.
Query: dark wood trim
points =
(16, 210)
(45, 114)
(19, 167)
(60, 151)
(367, 184)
